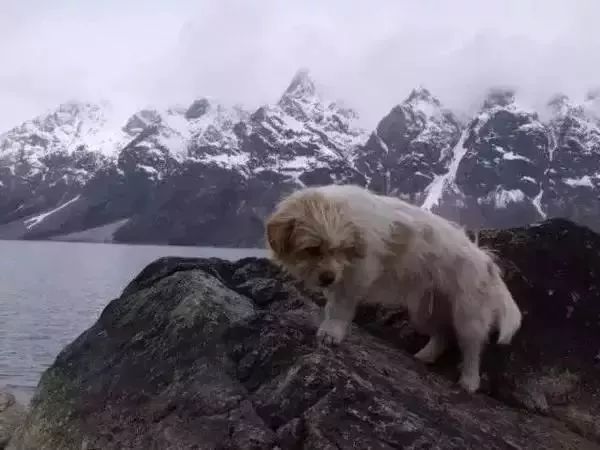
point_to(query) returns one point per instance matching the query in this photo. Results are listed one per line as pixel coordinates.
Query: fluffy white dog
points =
(360, 247)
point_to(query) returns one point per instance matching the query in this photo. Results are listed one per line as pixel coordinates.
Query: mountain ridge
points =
(167, 173)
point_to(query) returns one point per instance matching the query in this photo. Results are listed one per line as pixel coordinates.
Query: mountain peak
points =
(560, 103)
(198, 108)
(499, 97)
(73, 108)
(301, 85)
(300, 100)
(420, 100)
(593, 95)
(422, 94)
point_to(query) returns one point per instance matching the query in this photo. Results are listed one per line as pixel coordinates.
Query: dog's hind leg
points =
(471, 332)
(434, 348)
(427, 315)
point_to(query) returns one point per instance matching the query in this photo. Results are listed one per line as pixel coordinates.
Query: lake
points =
(50, 292)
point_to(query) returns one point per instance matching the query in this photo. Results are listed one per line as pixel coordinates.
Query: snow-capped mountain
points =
(410, 147)
(206, 173)
(572, 182)
(496, 170)
(303, 136)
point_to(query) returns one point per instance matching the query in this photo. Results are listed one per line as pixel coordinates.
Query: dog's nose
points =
(326, 278)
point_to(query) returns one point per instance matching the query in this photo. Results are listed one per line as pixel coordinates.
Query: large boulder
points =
(209, 354)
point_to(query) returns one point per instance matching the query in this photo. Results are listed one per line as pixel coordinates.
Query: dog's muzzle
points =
(326, 278)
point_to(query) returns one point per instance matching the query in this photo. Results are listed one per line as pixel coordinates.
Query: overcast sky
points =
(369, 53)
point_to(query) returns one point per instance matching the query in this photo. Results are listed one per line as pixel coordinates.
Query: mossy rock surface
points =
(210, 354)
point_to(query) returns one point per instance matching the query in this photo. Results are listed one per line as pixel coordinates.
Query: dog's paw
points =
(470, 383)
(331, 333)
(425, 355)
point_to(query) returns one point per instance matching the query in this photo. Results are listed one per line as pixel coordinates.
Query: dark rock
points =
(211, 354)
(499, 97)
(197, 109)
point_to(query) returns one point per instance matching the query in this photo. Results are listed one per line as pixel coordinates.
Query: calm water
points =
(50, 292)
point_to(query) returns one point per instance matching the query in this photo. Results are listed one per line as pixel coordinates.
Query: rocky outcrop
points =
(210, 354)
(12, 415)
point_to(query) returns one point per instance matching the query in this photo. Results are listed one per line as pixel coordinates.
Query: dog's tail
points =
(509, 319)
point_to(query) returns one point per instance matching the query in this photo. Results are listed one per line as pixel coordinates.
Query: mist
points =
(368, 53)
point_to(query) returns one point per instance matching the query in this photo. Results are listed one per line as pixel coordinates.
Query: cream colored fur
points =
(360, 247)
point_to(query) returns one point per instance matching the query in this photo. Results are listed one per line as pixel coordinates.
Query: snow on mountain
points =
(446, 181)
(209, 174)
(303, 136)
(212, 134)
(510, 167)
(410, 147)
(202, 130)
(34, 221)
(69, 128)
(573, 175)
(496, 170)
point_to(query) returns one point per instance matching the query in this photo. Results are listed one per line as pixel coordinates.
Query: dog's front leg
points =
(339, 313)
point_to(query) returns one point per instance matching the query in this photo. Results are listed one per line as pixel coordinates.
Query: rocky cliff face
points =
(211, 354)
(163, 175)
(410, 148)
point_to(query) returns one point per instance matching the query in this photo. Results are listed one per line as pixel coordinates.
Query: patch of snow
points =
(235, 160)
(533, 126)
(513, 156)
(537, 203)
(584, 181)
(479, 121)
(147, 169)
(36, 220)
(434, 192)
(436, 188)
(427, 108)
(530, 179)
(74, 125)
(504, 197)
(291, 123)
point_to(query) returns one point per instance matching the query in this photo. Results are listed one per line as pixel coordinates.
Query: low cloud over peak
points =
(371, 54)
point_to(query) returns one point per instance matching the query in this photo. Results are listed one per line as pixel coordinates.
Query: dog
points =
(360, 247)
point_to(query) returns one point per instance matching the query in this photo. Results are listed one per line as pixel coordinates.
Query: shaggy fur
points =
(360, 247)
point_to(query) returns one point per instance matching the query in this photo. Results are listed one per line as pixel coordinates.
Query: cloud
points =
(369, 53)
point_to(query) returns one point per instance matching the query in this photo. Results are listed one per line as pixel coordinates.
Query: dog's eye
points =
(312, 251)
(351, 252)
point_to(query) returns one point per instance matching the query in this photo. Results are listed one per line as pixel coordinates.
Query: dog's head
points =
(314, 238)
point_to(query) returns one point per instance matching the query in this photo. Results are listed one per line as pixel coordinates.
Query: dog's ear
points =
(279, 231)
